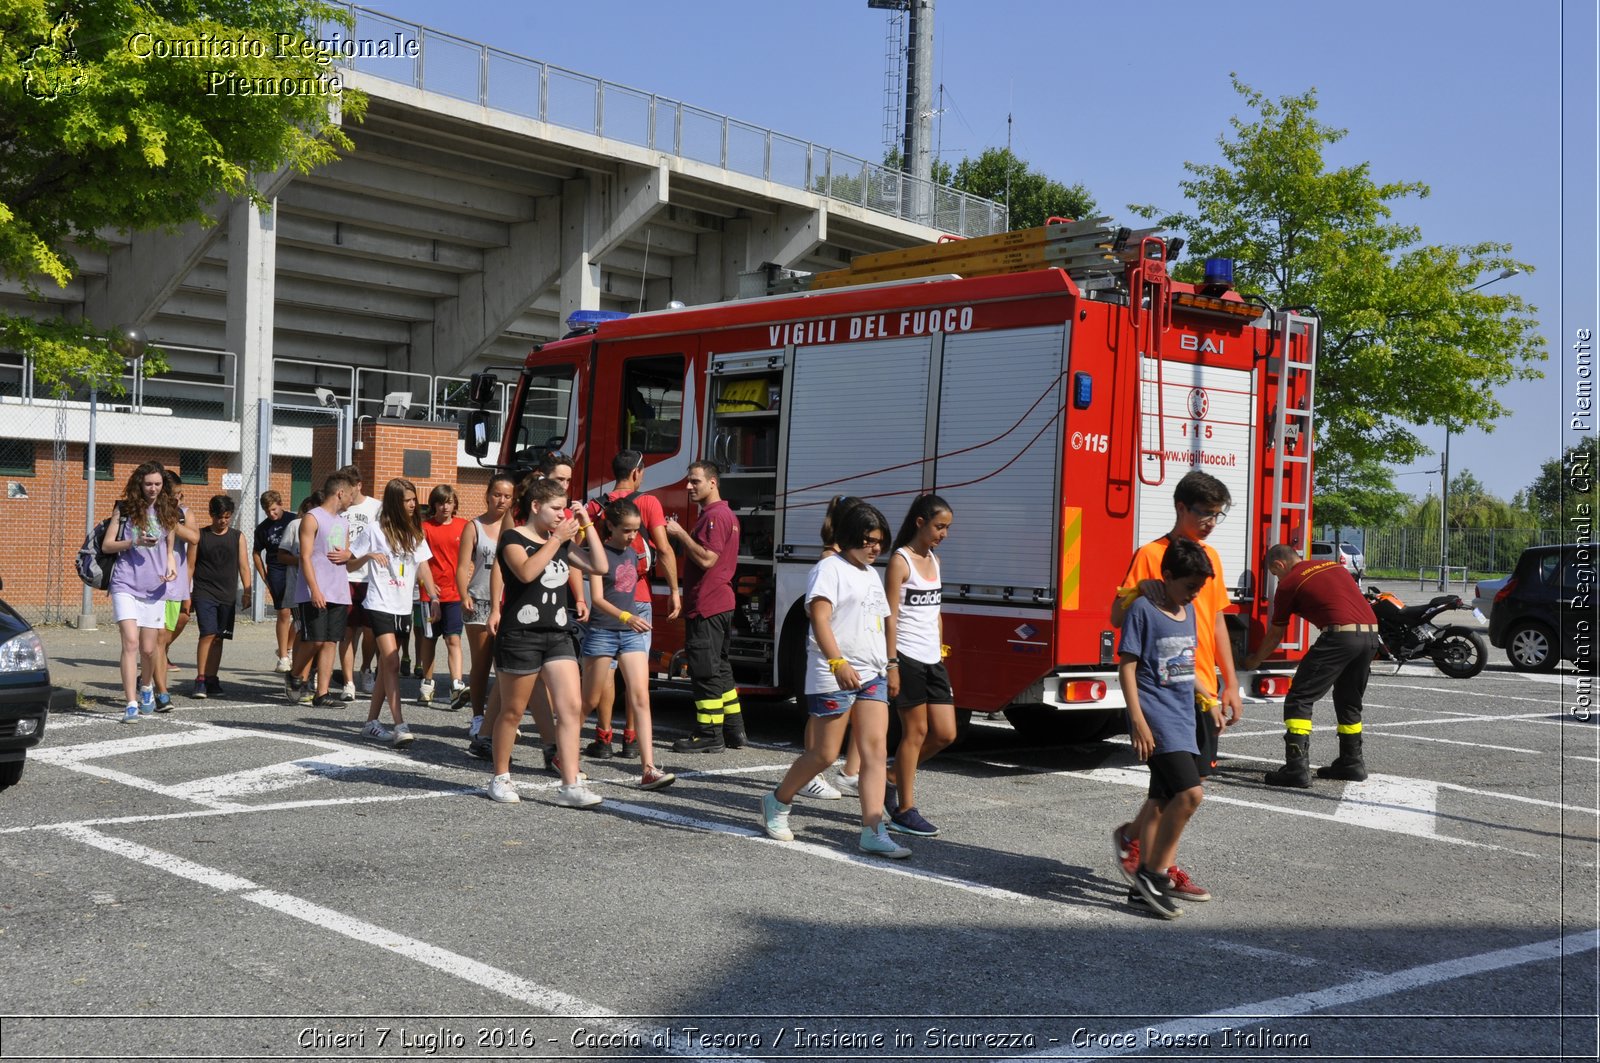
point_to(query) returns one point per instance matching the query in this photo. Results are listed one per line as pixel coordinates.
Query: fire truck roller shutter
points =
(1208, 426)
(858, 410)
(1005, 384)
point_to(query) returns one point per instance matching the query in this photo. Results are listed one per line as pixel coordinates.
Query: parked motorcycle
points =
(1409, 634)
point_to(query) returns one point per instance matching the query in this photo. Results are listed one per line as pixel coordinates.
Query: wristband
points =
(626, 616)
(835, 662)
(893, 664)
(892, 660)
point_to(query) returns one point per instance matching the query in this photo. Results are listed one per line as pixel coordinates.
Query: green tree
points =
(1352, 494)
(1403, 342)
(1567, 487)
(125, 115)
(1032, 197)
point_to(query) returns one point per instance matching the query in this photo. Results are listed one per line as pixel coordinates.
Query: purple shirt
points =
(333, 532)
(707, 592)
(179, 589)
(138, 571)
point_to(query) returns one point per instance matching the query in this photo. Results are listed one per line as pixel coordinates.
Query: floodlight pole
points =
(129, 342)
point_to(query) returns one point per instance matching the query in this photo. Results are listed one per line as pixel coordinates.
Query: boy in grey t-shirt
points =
(1156, 672)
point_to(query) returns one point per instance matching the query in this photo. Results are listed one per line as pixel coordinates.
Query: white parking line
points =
(1404, 806)
(1370, 987)
(826, 853)
(453, 964)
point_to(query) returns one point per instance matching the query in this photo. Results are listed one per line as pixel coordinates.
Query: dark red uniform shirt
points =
(709, 591)
(1322, 592)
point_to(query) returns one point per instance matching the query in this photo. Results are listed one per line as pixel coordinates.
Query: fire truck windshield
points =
(541, 415)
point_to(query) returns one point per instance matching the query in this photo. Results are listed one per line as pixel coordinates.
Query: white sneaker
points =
(475, 727)
(875, 841)
(403, 735)
(131, 713)
(349, 692)
(365, 681)
(283, 665)
(775, 818)
(819, 789)
(427, 692)
(501, 790)
(577, 796)
(377, 732)
(850, 784)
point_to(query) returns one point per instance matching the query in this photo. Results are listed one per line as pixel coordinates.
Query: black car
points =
(25, 693)
(1546, 612)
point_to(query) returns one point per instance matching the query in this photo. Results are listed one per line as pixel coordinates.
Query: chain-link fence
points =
(1483, 552)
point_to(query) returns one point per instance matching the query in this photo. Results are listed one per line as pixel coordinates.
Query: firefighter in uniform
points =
(713, 553)
(1341, 659)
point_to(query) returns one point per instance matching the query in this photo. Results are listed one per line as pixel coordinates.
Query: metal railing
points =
(1482, 552)
(200, 382)
(479, 73)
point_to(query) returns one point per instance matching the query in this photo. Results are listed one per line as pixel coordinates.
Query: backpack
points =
(93, 564)
(596, 508)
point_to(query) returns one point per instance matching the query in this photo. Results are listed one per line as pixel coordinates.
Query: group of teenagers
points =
(513, 579)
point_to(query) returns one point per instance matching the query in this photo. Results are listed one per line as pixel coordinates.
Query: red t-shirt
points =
(709, 591)
(445, 542)
(1322, 592)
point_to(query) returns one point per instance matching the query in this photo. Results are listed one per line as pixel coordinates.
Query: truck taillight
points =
(1272, 686)
(1083, 690)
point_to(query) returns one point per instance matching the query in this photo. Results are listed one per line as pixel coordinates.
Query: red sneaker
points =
(1185, 887)
(1127, 850)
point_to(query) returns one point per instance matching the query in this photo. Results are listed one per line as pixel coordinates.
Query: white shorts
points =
(151, 612)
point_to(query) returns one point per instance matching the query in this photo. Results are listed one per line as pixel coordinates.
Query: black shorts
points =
(398, 625)
(449, 622)
(323, 625)
(523, 652)
(923, 684)
(1205, 736)
(278, 587)
(214, 618)
(1171, 774)
(358, 612)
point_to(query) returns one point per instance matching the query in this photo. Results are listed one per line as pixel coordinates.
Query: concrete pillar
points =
(580, 225)
(252, 268)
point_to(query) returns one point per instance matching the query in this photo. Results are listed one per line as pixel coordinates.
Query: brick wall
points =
(40, 535)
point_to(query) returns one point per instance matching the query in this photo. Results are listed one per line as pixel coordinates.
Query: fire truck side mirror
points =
(481, 388)
(476, 441)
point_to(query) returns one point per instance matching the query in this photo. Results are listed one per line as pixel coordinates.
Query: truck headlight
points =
(24, 653)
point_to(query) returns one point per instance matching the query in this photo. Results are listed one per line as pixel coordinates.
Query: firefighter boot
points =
(733, 735)
(1349, 765)
(707, 738)
(1296, 770)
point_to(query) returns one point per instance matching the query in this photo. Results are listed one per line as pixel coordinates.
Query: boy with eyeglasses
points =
(1201, 502)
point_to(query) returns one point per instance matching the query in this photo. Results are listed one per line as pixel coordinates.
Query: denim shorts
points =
(614, 642)
(838, 702)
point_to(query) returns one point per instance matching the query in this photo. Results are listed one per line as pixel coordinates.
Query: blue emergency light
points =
(584, 319)
(1219, 274)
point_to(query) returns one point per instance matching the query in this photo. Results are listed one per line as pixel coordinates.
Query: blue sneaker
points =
(910, 821)
(163, 702)
(131, 713)
(147, 701)
(775, 818)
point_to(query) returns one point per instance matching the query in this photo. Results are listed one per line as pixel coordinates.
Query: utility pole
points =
(918, 151)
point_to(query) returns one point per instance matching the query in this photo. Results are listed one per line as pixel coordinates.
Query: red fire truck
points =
(1052, 384)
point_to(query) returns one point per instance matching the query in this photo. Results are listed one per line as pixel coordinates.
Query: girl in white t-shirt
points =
(848, 672)
(393, 553)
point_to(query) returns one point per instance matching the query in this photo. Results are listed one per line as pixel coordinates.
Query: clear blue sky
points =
(1480, 101)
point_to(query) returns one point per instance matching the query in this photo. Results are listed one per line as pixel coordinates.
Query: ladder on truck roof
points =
(1089, 251)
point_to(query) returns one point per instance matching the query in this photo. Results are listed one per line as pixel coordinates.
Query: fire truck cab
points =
(1053, 385)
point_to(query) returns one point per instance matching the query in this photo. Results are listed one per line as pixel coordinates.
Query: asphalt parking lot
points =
(248, 879)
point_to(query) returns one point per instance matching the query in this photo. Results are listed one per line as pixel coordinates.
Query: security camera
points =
(326, 397)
